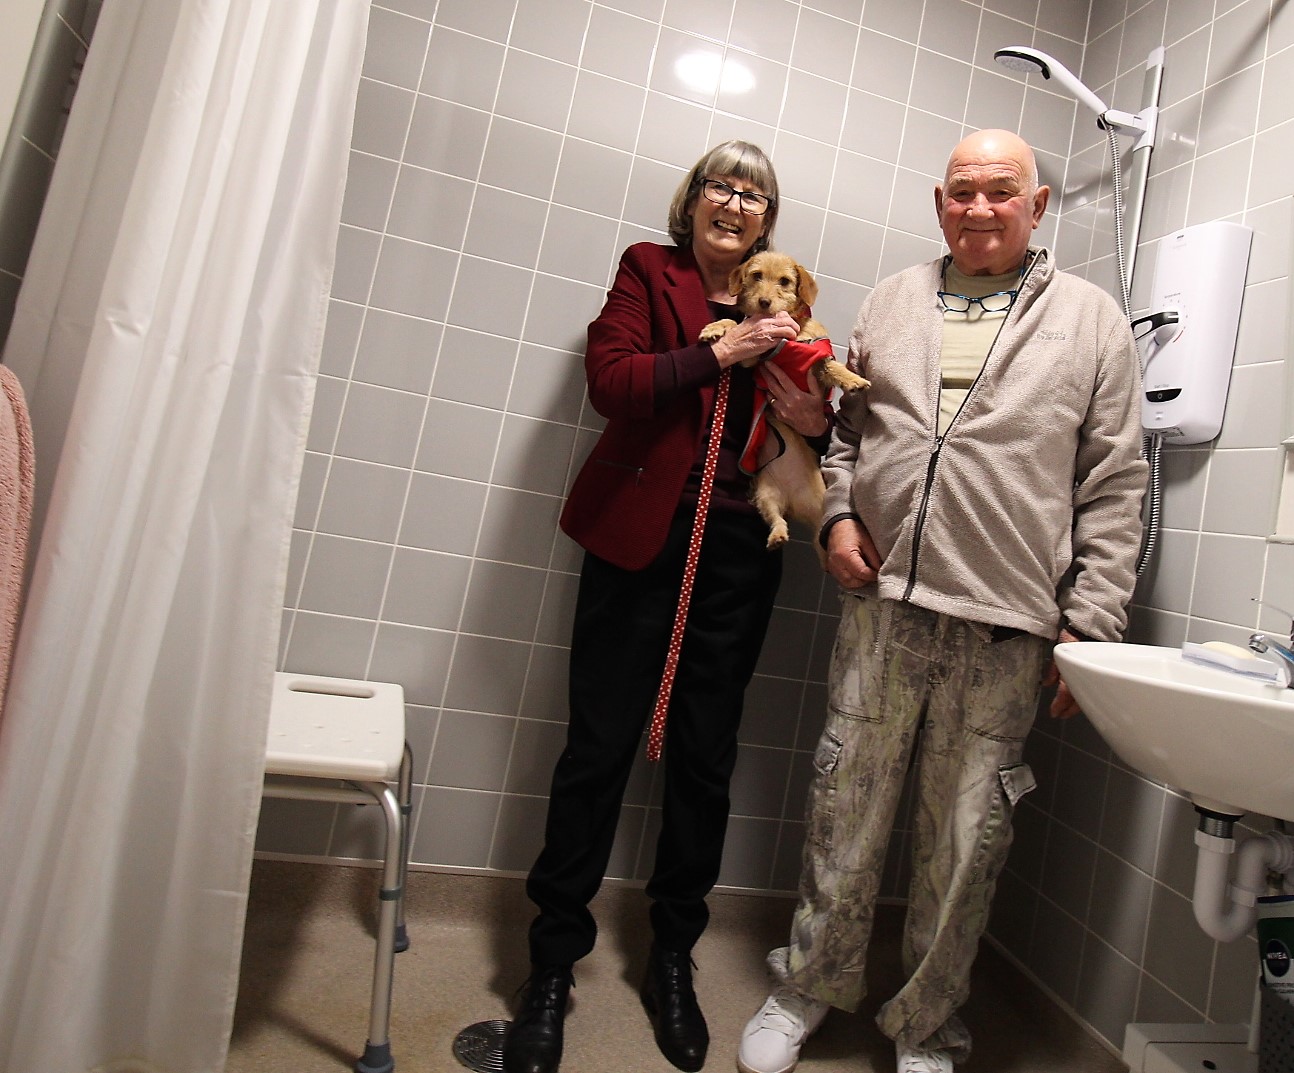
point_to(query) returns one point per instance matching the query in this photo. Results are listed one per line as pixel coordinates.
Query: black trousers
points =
(623, 620)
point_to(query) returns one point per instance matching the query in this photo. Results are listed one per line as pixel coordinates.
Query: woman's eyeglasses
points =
(721, 194)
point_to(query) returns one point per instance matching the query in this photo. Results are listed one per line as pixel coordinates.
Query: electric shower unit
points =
(1199, 277)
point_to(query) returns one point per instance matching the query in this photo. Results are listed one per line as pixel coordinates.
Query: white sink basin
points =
(1226, 740)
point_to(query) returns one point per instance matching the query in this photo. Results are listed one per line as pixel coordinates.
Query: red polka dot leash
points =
(656, 735)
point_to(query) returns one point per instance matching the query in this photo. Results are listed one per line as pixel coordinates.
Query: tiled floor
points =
(307, 968)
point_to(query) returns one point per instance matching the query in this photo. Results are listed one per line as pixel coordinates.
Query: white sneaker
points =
(914, 1061)
(771, 1040)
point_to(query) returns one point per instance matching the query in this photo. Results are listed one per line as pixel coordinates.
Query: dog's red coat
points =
(796, 360)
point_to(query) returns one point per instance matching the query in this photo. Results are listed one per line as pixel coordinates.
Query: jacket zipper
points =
(921, 517)
(939, 443)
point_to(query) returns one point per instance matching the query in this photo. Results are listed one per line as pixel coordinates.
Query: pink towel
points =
(17, 475)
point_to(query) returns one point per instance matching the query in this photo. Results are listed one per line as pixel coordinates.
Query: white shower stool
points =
(339, 730)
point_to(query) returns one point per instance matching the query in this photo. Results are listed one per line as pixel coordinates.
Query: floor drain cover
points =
(480, 1046)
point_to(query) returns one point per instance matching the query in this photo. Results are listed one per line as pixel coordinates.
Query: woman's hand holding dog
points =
(801, 410)
(852, 558)
(753, 337)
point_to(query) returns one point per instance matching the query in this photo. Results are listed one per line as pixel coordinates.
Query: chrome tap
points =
(1264, 645)
(1284, 658)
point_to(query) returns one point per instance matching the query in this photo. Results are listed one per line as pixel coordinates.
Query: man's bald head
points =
(996, 144)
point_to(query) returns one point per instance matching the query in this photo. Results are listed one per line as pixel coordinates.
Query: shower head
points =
(1033, 61)
(1017, 59)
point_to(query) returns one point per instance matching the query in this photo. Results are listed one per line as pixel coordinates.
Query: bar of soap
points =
(1230, 657)
(1234, 651)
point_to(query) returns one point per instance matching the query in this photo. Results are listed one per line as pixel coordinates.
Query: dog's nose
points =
(764, 303)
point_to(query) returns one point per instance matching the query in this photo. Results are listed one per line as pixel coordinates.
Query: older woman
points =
(632, 509)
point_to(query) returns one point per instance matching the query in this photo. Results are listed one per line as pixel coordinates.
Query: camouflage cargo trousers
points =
(894, 666)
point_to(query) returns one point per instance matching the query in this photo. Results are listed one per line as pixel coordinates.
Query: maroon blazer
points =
(625, 494)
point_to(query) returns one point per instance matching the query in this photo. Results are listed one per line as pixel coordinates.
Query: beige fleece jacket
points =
(1027, 513)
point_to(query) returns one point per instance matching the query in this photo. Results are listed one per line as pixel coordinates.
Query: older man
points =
(983, 501)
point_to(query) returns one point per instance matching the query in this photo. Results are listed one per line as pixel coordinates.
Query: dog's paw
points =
(715, 330)
(778, 536)
(838, 374)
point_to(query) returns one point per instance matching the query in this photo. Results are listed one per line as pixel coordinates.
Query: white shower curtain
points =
(167, 338)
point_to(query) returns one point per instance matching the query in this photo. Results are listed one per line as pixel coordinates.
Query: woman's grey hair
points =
(741, 160)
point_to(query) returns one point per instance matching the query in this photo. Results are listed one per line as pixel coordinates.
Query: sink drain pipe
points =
(1226, 909)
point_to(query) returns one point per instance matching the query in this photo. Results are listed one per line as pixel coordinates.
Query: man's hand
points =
(852, 558)
(1063, 705)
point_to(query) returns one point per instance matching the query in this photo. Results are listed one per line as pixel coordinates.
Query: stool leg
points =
(377, 1052)
(406, 813)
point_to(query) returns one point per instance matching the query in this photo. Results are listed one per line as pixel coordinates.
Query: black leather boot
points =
(671, 1005)
(534, 1040)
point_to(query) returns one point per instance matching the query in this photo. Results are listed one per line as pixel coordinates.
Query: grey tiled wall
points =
(33, 142)
(504, 152)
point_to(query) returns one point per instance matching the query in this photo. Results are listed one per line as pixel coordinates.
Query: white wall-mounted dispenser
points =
(1200, 277)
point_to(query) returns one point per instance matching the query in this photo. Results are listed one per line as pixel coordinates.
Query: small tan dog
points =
(788, 478)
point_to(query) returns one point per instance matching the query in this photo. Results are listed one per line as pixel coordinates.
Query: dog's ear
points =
(808, 288)
(735, 277)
